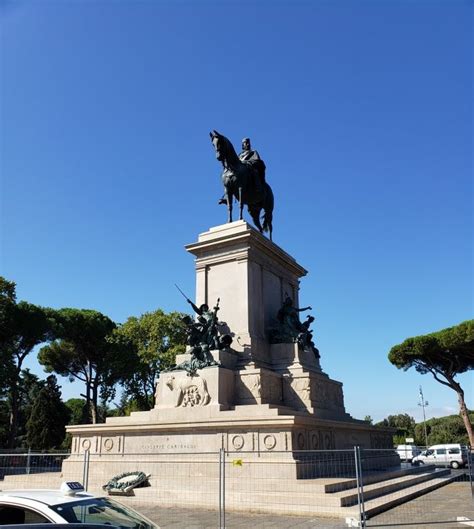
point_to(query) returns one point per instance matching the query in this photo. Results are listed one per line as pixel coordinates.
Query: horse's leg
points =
(229, 198)
(241, 205)
(268, 209)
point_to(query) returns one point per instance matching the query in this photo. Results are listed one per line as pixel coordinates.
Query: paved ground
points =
(442, 505)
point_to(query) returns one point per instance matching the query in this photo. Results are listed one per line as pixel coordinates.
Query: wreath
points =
(126, 481)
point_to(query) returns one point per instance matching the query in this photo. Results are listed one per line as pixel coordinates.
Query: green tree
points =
(32, 326)
(152, 342)
(78, 414)
(404, 423)
(29, 389)
(82, 350)
(48, 418)
(445, 354)
(368, 419)
(77, 411)
(441, 430)
(7, 307)
(4, 422)
(22, 327)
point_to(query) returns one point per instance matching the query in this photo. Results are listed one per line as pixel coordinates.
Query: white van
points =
(448, 455)
(407, 452)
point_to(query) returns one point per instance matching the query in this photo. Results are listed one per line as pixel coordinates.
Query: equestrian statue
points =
(244, 179)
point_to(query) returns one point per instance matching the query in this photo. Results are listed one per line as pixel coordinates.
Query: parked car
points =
(70, 505)
(446, 455)
(408, 452)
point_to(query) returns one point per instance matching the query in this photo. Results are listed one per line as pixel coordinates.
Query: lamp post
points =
(424, 403)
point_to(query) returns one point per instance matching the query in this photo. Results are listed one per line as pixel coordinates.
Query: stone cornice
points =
(237, 240)
(214, 424)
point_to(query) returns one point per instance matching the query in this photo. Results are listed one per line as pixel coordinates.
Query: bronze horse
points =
(240, 181)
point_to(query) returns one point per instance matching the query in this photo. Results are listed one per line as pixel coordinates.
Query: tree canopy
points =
(152, 342)
(82, 350)
(48, 418)
(22, 327)
(404, 423)
(449, 429)
(7, 309)
(77, 411)
(30, 387)
(445, 354)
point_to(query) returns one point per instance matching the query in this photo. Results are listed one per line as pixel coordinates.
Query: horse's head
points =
(220, 143)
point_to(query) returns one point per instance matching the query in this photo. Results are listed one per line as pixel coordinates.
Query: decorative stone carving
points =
(269, 441)
(300, 441)
(238, 442)
(255, 386)
(328, 440)
(302, 388)
(108, 444)
(258, 385)
(192, 391)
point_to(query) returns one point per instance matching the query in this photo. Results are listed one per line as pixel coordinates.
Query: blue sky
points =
(361, 110)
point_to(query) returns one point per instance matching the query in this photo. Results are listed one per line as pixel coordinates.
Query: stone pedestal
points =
(251, 276)
(261, 398)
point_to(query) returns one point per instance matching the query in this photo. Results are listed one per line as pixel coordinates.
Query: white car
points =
(446, 455)
(70, 504)
(407, 452)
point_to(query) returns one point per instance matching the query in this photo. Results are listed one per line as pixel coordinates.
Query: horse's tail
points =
(268, 204)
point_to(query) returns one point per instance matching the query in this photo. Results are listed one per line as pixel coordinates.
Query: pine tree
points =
(49, 416)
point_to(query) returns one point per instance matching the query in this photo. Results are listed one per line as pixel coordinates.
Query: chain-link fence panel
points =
(423, 491)
(176, 489)
(32, 470)
(305, 488)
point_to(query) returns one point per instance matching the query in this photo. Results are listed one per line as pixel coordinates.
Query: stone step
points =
(383, 503)
(235, 477)
(248, 501)
(326, 497)
(336, 485)
(279, 492)
(388, 486)
(379, 495)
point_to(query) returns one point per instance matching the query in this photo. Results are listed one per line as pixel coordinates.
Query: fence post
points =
(469, 469)
(85, 470)
(360, 486)
(221, 488)
(28, 461)
(361, 475)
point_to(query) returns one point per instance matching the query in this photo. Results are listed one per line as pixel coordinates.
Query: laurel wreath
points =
(118, 483)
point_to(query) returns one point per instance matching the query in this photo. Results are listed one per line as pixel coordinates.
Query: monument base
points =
(265, 403)
(237, 411)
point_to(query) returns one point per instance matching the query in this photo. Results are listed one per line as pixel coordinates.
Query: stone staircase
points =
(328, 497)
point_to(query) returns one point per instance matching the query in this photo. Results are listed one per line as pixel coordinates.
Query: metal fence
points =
(20, 463)
(307, 489)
